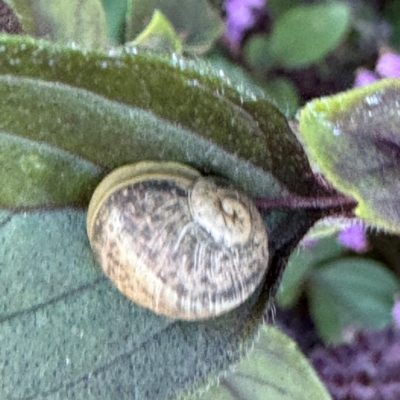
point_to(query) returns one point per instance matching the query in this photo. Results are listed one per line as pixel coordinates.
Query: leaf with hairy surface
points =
(354, 138)
(264, 374)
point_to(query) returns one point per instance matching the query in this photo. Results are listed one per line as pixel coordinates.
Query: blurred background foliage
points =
(292, 50)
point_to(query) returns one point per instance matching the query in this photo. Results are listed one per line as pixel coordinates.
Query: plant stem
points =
(297, 202)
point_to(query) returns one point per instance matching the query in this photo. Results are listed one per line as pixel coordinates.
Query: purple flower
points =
(240, 16)
(388, 65)
(354, 238)
(396, 313)
(365, 77)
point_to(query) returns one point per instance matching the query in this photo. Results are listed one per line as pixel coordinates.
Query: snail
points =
(181, 244)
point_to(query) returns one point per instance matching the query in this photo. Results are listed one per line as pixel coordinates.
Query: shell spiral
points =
(183, 245)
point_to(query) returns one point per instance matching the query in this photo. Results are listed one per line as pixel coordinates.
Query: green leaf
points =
(250, 136)
(283, 94)
(40, 174)
(80, 21)
(196, 22)
(354, 292)
(69, 333)
(235, 73)
(115, 12)
(307, 33)
(301, 266)
(258, 55)
(105, 133)
(354, 139)
(275, 369)
(158, 35)
(279, 7)
(391, 13)
(279, 91)
(330, 226)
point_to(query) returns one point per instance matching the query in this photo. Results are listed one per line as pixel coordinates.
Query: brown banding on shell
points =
(180, 244)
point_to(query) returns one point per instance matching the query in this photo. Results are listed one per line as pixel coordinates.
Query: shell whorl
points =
(178, 243)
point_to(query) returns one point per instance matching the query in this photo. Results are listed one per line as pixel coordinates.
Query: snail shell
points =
(183, 245)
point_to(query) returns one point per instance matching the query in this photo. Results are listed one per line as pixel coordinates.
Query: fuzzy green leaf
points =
(307, 33)
(354, 138)
(38, 174)
(352, 292)
(196, 22)
(68, 333)
(80, 21)
(107, 134)
(280, 92)
(235, 73)
(275, 369)
(183, 93)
